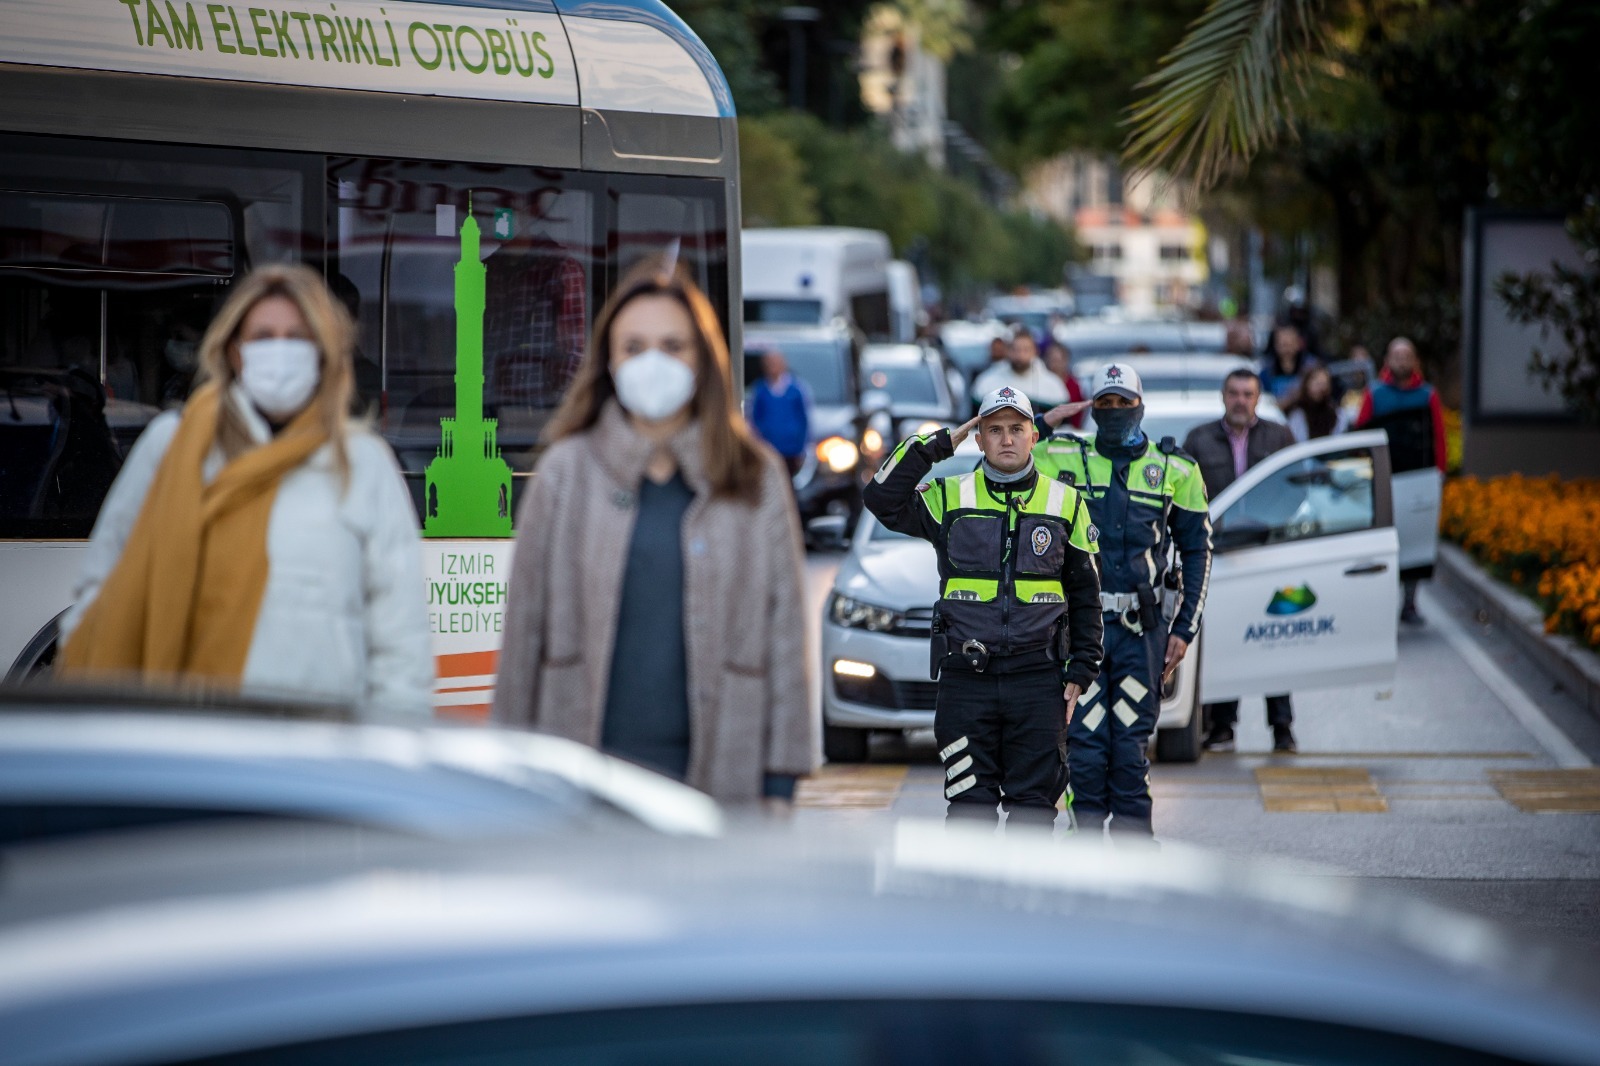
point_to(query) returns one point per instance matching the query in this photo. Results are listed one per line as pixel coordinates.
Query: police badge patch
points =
(1041, 540)
(1093, 533)
(1152, 475)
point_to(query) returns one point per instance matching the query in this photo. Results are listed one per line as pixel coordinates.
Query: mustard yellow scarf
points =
(182, 601)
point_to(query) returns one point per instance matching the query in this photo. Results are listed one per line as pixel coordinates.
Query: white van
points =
(906, 315)
(810, 275)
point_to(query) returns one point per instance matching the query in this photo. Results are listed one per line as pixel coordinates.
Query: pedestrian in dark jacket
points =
(1225, 449)
(1280, 371)
(1408, 407)
(780, 410)
(1234, 443)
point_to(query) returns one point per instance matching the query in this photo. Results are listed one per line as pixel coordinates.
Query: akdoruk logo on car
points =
(1285, 602)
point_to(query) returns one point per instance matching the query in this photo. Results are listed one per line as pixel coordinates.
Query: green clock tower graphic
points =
(468, 484)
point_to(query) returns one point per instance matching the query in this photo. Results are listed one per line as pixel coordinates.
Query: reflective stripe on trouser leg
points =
(966, 727)
(1089, 755)
(1136, 664)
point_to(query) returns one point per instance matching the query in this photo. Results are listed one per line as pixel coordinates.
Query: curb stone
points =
(1570, 664)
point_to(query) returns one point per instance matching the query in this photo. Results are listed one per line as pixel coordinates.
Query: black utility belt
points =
(979, 660)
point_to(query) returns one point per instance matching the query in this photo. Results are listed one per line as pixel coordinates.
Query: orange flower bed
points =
(1542, 535)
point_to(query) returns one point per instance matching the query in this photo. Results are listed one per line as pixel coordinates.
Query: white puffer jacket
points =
(344, 616)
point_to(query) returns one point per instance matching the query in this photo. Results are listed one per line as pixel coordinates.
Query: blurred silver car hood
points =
(285, 938)
(900, 574)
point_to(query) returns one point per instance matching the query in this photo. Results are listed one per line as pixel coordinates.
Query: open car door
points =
(1305, 578)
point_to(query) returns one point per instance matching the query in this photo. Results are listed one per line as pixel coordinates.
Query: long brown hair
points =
(1322, 416)
(732, 458)
(331, 329)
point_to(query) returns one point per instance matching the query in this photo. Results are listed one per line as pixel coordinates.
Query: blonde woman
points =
(655, 609)
(257, 539)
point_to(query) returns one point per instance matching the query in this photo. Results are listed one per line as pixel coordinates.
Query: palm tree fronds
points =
(1225, 91)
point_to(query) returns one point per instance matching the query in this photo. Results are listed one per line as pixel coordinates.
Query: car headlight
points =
(838, 454)
(925, 428)
(854, 614)
(871, 441)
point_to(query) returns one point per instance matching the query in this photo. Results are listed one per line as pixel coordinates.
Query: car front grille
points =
(916, 695)
(915, 623)
(879, 691)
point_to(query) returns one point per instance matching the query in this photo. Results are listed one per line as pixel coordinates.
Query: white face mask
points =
(654, 385)
(280, 375)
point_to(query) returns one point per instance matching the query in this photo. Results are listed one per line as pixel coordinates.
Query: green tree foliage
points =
(857, 178)
(774, 189)
(1072, 68)
(1224, 90)
(731, 29)
(795, 170)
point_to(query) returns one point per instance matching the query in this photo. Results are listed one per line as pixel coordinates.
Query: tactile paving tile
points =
(845, 787)
(1550, 791)
(1337, 790)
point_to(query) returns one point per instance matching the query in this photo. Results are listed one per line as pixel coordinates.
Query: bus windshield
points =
(113, 284)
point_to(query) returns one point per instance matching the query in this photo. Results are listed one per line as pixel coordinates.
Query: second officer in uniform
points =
(1017, 627)
(1144, 497)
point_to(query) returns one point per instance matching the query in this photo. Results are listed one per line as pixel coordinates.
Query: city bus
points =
(153, 151)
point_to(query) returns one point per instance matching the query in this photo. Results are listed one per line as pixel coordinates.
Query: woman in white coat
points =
(258, 540)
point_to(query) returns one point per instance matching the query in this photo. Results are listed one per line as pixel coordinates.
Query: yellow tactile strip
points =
(845, 787)
(1550, 791)
(1336, 790)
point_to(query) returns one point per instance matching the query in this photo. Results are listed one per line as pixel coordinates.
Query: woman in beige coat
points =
(656, 605)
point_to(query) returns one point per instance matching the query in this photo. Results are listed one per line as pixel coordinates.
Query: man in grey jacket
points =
(1225, 449)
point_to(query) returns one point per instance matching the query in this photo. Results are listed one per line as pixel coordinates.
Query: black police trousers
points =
(1000, 738)
(1107, 762)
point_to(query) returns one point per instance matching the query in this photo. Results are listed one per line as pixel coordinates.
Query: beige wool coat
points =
(750, 707)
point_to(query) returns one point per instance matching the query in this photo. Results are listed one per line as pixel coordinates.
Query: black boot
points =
(1283, 739)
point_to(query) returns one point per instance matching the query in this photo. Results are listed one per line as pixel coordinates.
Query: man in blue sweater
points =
(780, 410)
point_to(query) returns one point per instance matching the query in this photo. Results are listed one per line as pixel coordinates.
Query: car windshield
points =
(957, 464)
(820, 364)
(905, 383)
(970, 355)
(784, 312)
(1177, 426)
(1035, 321)
(1188, 381)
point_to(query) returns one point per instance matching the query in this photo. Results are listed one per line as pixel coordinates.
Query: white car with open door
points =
(1302, 595)
(1303, 589)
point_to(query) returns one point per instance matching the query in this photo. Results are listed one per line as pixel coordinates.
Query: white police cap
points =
(1119, 378)
(1003, 397)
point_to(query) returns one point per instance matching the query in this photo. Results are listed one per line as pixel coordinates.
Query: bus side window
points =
(113, 261)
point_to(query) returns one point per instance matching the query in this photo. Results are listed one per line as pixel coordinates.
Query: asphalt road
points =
(1417, 793)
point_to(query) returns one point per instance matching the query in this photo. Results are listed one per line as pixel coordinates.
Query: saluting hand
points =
(1071, 693)
(962, 432)
(1063, 411)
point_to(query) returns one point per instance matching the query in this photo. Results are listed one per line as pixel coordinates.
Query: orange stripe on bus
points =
(467, 663)
(466, 688)
(471, 712)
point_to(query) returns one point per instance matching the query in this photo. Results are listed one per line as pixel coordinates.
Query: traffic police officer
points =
(1017, 628)
(1143, 497)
